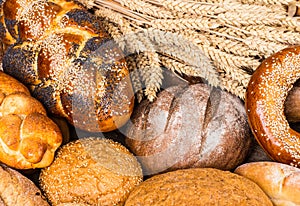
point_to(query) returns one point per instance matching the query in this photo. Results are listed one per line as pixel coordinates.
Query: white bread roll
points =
(279, 181)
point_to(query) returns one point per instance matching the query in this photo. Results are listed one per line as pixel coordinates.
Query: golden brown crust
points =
(91, 171)
(28, 138)
(266, 93)
(198, 186)
(17, 190)
(68, 60)
(279, 181)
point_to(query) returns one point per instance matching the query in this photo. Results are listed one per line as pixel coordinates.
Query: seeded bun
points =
(198, 186)
(91, 171)
(281, 182)
(17, 190)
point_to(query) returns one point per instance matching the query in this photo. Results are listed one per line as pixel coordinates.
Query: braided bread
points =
(28, 138)
(63, 54)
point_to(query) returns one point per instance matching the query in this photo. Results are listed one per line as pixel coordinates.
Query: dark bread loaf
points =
(67, 59)
(193, 126)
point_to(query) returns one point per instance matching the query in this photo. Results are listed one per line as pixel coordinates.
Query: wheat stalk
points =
(222, 41)
(135, 76)
(267, 2)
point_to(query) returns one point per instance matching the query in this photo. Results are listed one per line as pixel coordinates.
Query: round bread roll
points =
(198, 186)
(91, 171)
(17, 190)
(281, 182)
(193, 126)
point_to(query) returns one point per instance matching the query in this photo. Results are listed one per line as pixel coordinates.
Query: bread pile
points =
(191, 146)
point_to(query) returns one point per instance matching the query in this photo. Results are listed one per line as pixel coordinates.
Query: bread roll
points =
(198, 186)
(193, 126)
(28, 137)
(17, 190)
(265, 98)
(63, 53)
(279, 181)
(91, 171)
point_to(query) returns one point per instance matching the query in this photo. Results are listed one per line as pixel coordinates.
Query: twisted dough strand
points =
(67, 59)
(28, 138)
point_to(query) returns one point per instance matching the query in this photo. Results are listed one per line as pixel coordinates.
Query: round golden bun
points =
(281, 182)
(198, 186)
(18, 190)
(91, 171)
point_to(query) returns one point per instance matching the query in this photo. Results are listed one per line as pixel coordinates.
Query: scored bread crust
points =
(17, 190)
(279, 181)
(67, 59)
(28, 137)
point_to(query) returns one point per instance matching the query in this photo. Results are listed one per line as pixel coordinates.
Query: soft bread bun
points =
(198, 186)
(28, 137)
(91, 171)
(281, 182)
(17, 190)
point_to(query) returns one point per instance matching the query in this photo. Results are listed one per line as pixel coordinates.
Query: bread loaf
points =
(17, 190)
(67, 59)
(91, 171)
(198, 187)
(193, 126)
(28, 138)
(279, 181)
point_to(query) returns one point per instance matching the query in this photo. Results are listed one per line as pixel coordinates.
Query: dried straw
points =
(222, 41)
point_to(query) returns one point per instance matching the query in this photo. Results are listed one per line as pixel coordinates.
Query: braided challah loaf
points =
(28, 138)
(64, 55)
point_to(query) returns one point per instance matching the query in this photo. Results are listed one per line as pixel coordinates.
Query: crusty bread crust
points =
(198, 186)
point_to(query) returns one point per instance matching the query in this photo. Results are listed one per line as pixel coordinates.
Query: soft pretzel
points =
(28, 138)
(265, 99)
(67, 59)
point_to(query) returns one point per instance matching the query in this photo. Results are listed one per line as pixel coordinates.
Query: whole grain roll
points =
(192, 126)
(281, 182)
(198, 186)
(18, 190)
(91, 171)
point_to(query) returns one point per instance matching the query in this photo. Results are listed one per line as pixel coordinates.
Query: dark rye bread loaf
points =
(193, 126)
(67, 59)
(197, 187)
